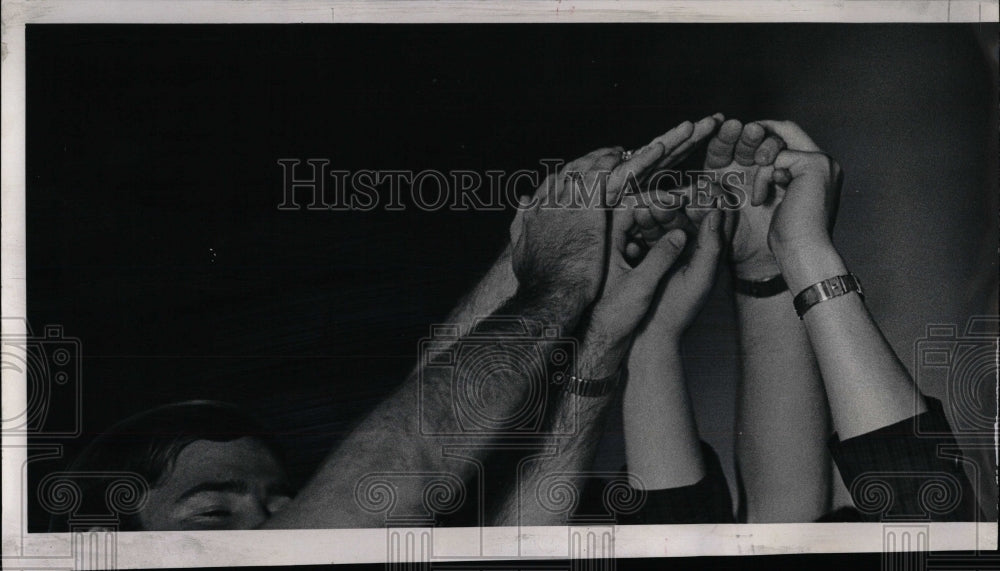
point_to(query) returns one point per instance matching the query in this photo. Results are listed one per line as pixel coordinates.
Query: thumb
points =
(646, 276)
(622, 220)
(701, 269)
(517, 225)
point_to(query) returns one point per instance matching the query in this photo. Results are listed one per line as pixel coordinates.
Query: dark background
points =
(153, 233)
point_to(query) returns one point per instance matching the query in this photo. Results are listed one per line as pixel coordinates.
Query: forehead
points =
(243, 459)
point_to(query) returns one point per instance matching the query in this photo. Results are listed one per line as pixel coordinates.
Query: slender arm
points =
(782, 418)
(662, 447)
(867, 386)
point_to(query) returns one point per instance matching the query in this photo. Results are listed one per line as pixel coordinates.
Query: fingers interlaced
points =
(657, 213)
(768, 150)
(759, 144)
(793, 135)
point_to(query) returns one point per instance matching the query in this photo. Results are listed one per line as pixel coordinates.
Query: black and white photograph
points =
(584, 281)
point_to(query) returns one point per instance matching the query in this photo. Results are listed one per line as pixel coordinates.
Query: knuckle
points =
(604, 151)
(820, 160)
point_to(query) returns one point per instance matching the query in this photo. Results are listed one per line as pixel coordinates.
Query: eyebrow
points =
(219, 486)
(232, 487)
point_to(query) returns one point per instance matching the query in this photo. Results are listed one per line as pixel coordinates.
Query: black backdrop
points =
(153, 233)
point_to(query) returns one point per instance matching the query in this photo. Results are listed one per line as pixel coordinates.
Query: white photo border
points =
(22, 550)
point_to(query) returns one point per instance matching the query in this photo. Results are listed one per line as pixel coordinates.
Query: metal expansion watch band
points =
(762, 288)
(593, 387)
(826, 289)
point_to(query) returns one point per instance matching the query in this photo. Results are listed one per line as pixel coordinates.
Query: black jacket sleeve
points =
(706, 501)
(908, 471)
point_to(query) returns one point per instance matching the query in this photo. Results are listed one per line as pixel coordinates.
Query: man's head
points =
(208, 465)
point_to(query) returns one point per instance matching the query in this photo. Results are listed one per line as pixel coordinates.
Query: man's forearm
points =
(782, 418)
(573, 429)
(398, 437)
(497, 286)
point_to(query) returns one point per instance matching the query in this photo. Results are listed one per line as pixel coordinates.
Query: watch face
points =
(826, 289)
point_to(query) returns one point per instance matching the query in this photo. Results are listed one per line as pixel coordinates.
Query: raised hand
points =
(559, 242)
(628, 290)
(661, 211)
(688, 285)
(781, 451)
(683, 139)
(806, 208)
(740, 159)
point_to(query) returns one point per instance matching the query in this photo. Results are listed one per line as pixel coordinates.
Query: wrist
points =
(650, 356)
(809, 263)
(658, 336)
(600, 356)
(757, 268)
(560, 305)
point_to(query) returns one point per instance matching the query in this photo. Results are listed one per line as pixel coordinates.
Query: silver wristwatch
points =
(593, 387)
(826, 289)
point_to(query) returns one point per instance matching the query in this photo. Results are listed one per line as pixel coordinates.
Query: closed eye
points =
(215, 513)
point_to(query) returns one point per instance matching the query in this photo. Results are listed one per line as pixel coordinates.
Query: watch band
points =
(763, 288)
(826, 289)
(593, 387)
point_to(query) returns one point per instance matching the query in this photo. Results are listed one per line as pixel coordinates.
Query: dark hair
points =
(147, 445)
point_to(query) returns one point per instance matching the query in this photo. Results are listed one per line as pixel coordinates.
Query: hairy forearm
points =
(782, 418)
(403, 434)
(497, 286)
(573, 431)
(661, 438)
(866, 385)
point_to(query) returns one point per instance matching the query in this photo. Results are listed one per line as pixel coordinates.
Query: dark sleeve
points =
(911, 470)
(707, 501)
